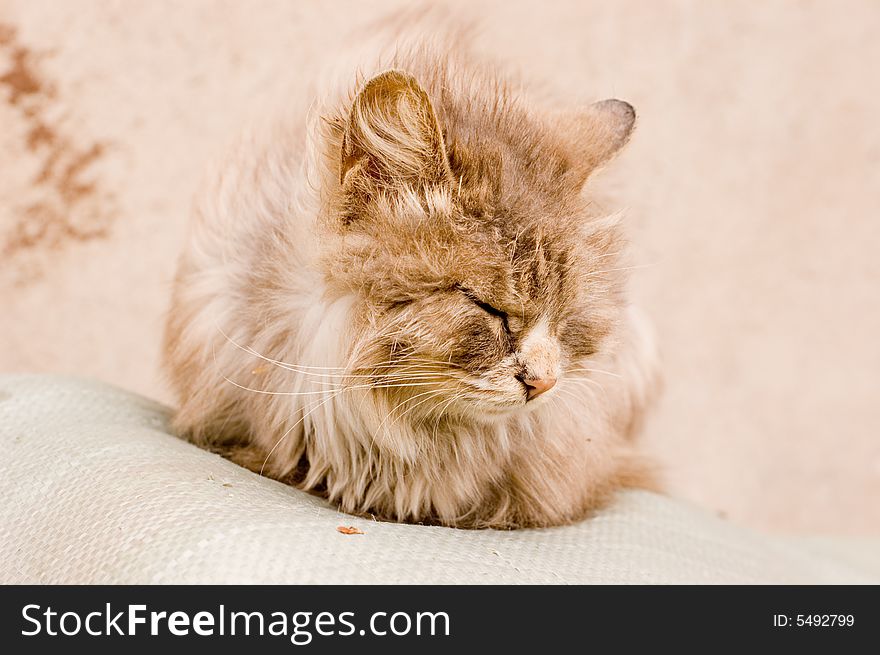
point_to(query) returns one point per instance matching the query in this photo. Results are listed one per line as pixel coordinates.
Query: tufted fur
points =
(365, 285)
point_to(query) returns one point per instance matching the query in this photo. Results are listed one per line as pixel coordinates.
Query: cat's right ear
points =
(392, 135)
(600, 131)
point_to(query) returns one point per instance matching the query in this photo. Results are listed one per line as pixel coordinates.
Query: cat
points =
(402, 299)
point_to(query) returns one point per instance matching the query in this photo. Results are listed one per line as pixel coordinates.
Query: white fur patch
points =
(326, 324)
(536, 337)
(540, 351)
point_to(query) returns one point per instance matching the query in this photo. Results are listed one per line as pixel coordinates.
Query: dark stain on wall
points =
(65, 202)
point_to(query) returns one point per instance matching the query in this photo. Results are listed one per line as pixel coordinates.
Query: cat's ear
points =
(392, 134)
(601, 130)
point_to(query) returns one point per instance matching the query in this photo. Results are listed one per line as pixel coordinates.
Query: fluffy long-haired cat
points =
(400, 297)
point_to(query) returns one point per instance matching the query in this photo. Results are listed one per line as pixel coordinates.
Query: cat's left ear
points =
(392, 134)
(600, 130)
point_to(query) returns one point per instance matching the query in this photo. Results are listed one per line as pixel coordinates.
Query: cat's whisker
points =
(415, 367)
(591, 381)
(342, 371)
(567, 405)
(394, 386)
(253, 352)
(408, 360)
(607, 254)
(595, 383)
(442, 411)
(454, 397)
(380, 384)
(331, 376)
(385, 379)
(622, 268)
(580, 382)
(585, 380)
(294, 426)
(570, 393)
(593, 370)
(560, 399)
(430, 394)
(322, 391)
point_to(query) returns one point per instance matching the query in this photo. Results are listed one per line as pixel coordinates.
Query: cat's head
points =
(482, 275)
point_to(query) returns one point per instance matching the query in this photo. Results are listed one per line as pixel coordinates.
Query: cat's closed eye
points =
(486, 307)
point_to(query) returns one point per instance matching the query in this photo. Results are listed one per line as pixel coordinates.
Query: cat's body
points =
(404, 302)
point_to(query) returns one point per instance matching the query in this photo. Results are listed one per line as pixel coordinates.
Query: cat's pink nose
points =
(536, 386)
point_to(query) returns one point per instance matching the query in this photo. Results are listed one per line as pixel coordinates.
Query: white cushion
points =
(95, 490)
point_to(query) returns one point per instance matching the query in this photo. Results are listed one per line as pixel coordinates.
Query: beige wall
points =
(752, 185)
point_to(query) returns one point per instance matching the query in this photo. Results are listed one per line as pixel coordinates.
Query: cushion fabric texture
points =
(95, 489)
